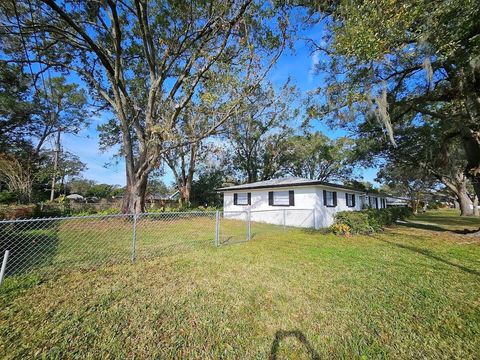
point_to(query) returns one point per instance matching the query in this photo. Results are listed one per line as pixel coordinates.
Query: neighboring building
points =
(75, 197)
(302, 202)
(163, 199)
(397, 201)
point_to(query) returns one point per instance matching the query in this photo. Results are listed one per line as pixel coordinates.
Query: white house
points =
(294, 201)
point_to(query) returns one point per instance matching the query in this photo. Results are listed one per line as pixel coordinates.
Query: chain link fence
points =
(52, 244)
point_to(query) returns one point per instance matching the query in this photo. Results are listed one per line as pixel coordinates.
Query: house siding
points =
(308, 209)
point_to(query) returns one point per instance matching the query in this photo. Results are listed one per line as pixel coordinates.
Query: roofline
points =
(312, 183)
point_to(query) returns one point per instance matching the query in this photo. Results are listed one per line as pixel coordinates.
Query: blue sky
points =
(297, 64)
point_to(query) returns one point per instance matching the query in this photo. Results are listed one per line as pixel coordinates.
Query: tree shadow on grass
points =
(31, 245)
(431, 255)
(433, 227)
(282, 334)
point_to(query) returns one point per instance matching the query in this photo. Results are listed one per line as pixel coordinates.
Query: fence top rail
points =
(106, 216)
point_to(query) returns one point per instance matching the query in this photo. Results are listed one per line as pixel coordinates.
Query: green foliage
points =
(316, 156)
(203, 189)
(7, 197)
(370, 220)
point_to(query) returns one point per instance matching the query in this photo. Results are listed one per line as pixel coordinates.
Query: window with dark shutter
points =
(329, 198)
(350, 199)
(249, 198)
(241, 199)
(376, 203)
(270, 198)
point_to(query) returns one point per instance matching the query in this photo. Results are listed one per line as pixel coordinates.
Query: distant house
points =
(297, 201)
(75, 197)
(397, 201)
(163, 199)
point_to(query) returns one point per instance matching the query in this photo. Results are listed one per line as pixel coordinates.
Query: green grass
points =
(408, 292)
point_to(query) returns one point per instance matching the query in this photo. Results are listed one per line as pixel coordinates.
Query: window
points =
(281, 198)
(329, 198)
(373, 202)
(350, 199)
(383, 203)
(242, 199)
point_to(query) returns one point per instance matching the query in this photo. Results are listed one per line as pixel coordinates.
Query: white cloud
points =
(314, 62)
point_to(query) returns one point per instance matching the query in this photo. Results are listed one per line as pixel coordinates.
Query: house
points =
(397, 201)
(75, 197)
(160, 199)
(294, 201)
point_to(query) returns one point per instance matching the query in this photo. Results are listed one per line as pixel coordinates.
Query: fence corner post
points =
(134, 237)
(217, 228)
(4, 265)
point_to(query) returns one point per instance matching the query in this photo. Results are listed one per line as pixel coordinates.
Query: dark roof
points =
(286, 182)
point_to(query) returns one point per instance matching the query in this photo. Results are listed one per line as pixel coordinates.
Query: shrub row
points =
(369, 220)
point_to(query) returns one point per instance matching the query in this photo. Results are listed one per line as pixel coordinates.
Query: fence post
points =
(284, 220)
(249, 225)
(4, 265)
(217, 228)
(134, 237)
(314, 219)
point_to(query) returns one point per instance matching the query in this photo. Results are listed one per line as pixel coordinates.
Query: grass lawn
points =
(412, 291)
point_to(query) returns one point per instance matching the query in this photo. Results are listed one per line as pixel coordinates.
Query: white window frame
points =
(243, 201)
(327, 203)
(285, 199)
(350, 197)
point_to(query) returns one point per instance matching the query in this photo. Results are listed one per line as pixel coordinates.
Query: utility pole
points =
(56, 156)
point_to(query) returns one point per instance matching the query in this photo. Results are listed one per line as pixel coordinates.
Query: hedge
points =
(369, 220)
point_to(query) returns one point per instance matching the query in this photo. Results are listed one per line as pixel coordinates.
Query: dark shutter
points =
(325, 197)
(249, 195)
(346, 199)
(235, 199)
(334, 198)
(291, 198)
(353, 200)
(376, 203)
(270, 198)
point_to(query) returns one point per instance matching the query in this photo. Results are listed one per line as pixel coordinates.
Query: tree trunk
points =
(471, 144)
(185, 192)
(458, 188)
(134, 198)
(475, 206)
(55, 165)
(465, 204)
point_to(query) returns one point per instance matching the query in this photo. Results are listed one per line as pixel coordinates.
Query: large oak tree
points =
(146, 61)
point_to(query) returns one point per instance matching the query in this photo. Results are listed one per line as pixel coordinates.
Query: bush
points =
(12, 212)
(340, 229)
(7, 197)
(357, 221)
(370, 220)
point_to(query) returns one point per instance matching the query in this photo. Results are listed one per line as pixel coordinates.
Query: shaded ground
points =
(404, 293)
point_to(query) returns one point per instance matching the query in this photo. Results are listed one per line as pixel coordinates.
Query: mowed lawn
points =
(412, 291)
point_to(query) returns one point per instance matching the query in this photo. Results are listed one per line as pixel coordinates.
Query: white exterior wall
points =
(308, 202)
